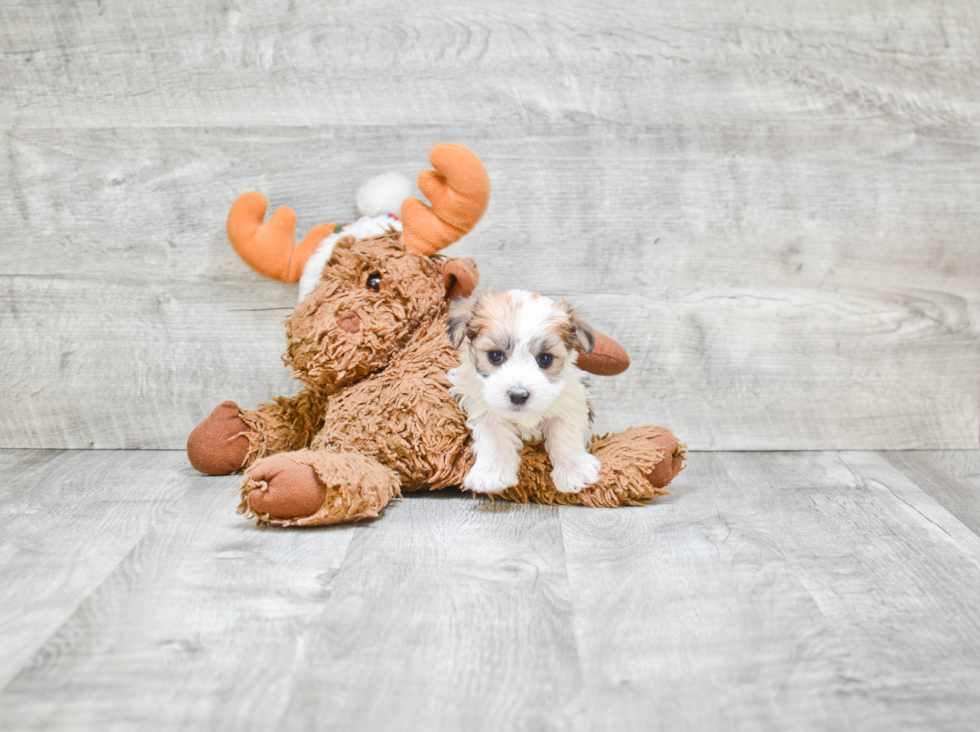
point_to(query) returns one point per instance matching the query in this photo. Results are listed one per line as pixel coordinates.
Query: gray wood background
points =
(774, 205)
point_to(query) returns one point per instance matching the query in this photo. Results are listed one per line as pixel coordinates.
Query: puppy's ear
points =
(581, 333)
(459, 320)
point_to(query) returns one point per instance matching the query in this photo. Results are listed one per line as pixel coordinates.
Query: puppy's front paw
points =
(571, 476)
(489, 479)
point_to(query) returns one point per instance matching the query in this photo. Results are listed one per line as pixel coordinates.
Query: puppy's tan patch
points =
(552, 342)
(490, 323)
(574, 330)
(488, 326)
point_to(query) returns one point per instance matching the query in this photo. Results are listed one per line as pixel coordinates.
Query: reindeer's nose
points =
(518, 395)
(349, 321)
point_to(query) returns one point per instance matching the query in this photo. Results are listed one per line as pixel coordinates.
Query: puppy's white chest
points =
(528, 431)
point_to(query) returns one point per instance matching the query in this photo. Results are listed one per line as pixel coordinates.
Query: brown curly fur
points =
(375, 416)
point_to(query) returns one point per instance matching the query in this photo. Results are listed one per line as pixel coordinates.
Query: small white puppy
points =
(517, 381)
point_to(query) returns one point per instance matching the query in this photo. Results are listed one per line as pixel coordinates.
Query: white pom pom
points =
(383, 194)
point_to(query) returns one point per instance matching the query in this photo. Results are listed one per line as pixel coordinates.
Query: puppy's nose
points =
(518, 395)
(349, 321)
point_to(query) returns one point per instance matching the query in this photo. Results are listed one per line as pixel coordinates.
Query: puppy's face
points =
(522, 348)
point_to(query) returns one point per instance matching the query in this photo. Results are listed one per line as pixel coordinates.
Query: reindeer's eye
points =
(545, 360)
(496, 357)
(374, 282)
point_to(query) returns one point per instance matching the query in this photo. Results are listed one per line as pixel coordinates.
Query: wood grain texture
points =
(690, 616)
(952, 478)
(804, 591)
(448, 614)
(126, 315)
(779, 591)
(396, 64)
(772, 205)
(877, 473)
(201, 625)
(895, 575)
(794, 368)
(68, 520)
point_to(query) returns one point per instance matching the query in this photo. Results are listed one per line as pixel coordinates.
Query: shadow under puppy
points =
(517, 382)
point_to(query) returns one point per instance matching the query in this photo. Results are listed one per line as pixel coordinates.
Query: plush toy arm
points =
(218, 446)
(284, 424)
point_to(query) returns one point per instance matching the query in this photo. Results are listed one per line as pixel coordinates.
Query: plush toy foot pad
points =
(218, 446)
(312, 487)
(672, 463)
(282, 488)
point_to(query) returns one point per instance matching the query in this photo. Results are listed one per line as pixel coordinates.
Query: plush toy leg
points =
(675, 453)
(310, 487)
(284, 424)
(635, 466)
(218, 446)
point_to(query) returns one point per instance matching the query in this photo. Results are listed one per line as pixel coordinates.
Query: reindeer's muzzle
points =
(349, 322)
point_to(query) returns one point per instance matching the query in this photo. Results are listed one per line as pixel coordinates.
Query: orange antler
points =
(459, 189)
(270, 248)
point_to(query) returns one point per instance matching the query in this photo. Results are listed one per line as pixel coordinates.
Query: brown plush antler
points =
(270, 248)
(459, 189)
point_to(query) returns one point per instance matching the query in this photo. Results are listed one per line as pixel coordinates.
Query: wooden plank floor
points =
(795, 590)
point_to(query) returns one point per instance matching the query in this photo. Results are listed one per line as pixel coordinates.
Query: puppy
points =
(517, 381)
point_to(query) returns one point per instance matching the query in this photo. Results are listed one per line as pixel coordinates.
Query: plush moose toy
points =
(375, 416)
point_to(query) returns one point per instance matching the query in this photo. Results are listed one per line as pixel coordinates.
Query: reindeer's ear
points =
(458, 323)
(460, 277)
(581, 334)
(607, 358)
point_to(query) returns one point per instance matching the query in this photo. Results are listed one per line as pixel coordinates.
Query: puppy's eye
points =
(496, 357)
(545, 360)
(374, 282)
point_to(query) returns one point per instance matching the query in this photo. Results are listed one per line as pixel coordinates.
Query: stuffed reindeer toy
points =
(368, 340)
